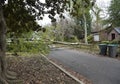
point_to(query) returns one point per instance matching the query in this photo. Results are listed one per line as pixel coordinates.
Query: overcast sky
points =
(103, 4)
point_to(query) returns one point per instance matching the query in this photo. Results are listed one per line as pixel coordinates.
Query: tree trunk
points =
(5, 75)
(2, 47)
(85, 28)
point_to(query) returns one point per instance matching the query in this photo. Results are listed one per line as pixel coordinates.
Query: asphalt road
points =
(100, 70)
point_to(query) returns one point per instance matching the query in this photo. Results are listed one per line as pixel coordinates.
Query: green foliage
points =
(90, 38)
(114, 42)
(71, 39)
(21, 15)
(18, 18)
(79, 8)
(111, 42)
(114, 13)
(81, 11)
(97, 21)
(105, 42)
(32, 42)
(28, 46)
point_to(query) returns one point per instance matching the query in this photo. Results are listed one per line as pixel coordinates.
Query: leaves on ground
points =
(37, 70)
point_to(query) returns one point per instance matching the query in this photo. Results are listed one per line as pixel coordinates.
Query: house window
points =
(113, 36)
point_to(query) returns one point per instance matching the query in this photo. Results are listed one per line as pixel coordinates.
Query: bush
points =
(28, 46)
(90, 38)
(105, 42)
(115, 42)
(111, 42)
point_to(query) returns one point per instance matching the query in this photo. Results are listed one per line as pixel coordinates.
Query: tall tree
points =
(34, 8)
(64, 29)
(114, 13)
(80, 25)
(80, 8)
(97, 21)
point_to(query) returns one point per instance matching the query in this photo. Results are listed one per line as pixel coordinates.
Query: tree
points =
(66, 29)
(114, 13)
(21, 16)
(19, 20)
(80, 9)
(79, 29)
(34, 8)
(97, 21)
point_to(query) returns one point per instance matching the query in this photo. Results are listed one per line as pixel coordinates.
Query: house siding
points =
(117, 36)
(103, 36)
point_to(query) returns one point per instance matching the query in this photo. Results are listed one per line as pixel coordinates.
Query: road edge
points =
(63, 70)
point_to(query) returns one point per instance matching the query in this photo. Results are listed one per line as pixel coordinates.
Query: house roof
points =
(107, 29)
(117, 29)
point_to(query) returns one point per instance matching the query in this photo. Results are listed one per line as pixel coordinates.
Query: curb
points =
(63, 70)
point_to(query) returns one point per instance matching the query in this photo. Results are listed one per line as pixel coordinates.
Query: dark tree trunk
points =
(5, 75)
(2, 47)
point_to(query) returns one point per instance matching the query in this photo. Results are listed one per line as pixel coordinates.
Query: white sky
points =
(103, 4)
(45, 21)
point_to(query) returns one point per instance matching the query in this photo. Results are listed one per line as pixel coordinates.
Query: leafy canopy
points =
(80, 7)
(21, 15)
(114, 13)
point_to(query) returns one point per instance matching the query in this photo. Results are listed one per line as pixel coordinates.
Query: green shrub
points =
(115, 42)
(90, 38)
(28, 46)
(105, 42)
(111, 42)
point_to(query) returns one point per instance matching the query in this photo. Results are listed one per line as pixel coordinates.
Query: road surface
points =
(100, 70)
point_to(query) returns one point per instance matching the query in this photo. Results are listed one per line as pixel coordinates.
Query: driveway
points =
(100, 70)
